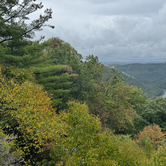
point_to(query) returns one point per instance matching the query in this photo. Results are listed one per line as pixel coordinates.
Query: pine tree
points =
(15, 32)
(55, 80)
(63, 53)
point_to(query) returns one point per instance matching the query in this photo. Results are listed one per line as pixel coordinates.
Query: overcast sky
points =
(113, 30)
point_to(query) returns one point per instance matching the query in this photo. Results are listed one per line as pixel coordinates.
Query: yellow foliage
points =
(153, 132)
(27, 112)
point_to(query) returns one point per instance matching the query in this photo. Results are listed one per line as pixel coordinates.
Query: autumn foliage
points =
(58, 109)
(153, 132)
(72, 137)
(26, 112)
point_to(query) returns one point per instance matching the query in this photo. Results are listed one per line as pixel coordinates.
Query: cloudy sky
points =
(114, 30)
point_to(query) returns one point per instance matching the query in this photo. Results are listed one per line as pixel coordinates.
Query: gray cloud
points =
(132, 30)
(126, 7)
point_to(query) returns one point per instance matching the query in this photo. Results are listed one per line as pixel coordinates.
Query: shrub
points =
(26, 112)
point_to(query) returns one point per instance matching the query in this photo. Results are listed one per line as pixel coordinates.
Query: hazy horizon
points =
(123, 62)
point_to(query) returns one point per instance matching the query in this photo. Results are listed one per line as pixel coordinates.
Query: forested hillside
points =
(152, 91)
(56, 109)
(150, 73)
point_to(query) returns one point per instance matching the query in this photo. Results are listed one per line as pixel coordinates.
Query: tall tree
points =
(154, 111)
(55, 79)
(61, 53)
(13, 15)
(26, 113)
(119, 107)
(15, 32)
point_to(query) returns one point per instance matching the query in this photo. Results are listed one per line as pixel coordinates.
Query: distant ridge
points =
(149, 77)
(149, 73)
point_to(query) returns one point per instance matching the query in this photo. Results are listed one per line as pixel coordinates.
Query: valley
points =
(150, 77)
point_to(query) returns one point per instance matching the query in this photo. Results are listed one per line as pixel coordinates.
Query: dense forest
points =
(150, 74)
(58, 109)
(152, 91)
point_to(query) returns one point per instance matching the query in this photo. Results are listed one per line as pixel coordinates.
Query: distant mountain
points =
(151, 78)
(150, 73)
(151, 91)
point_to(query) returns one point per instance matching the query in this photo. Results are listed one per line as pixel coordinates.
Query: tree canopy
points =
(13, 16)
(62, 110)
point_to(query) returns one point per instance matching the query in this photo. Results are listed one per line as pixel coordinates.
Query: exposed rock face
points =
(7, 157)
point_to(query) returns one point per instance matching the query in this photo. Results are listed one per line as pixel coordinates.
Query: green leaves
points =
(83, 144)
(55, 80)
(153, 111)
(13, 16)
(27, 113)
(120, 109)
(16, 33)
